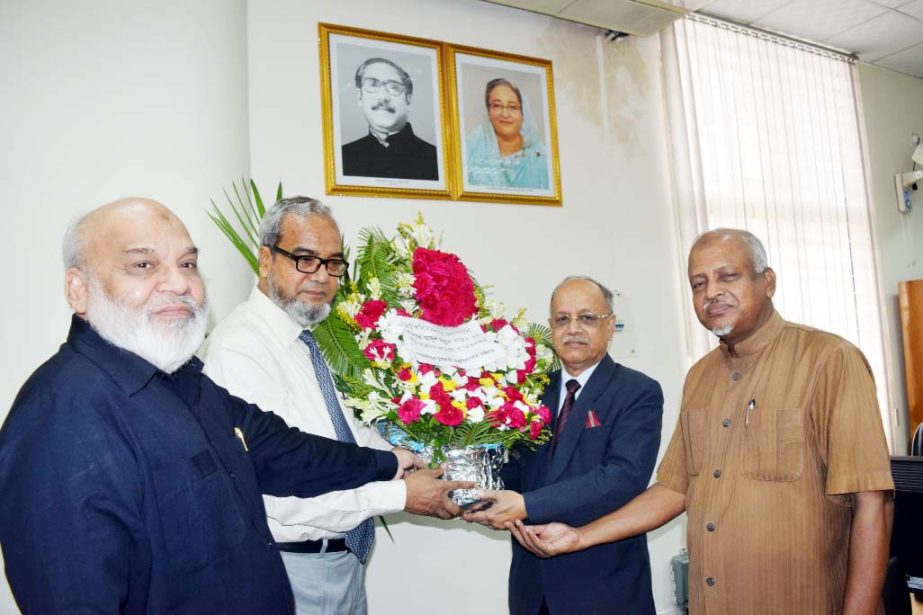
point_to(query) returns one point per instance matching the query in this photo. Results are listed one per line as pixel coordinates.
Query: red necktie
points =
(572, 386)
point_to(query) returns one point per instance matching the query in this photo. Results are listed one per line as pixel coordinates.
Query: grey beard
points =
(305, 315)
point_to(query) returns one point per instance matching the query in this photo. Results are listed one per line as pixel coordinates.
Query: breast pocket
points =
(198, 512)
(774, 444)
(693, 421)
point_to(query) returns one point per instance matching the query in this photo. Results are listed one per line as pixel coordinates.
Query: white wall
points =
(615, 224)
(893, 109)
(104, 99)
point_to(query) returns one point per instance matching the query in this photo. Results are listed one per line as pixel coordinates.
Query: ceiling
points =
(887, 33)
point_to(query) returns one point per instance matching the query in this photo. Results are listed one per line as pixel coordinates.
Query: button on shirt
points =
(768, 497)
(128, 490)
(255, 352)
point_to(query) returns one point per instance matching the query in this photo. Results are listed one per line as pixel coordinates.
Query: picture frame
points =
(505, 128)
(401, 98)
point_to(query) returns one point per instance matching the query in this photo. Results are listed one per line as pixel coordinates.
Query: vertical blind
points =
(765, 136)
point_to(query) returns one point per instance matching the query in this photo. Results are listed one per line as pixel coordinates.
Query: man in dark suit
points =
(606, 436)
(391, 149)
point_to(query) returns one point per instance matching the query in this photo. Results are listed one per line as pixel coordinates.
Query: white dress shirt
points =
(583, 378)
(255, 353)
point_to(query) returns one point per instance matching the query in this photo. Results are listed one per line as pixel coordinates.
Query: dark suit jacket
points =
(406, 157)
(594, 471)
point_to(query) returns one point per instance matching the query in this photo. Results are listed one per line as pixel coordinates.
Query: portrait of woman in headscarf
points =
(505, 149)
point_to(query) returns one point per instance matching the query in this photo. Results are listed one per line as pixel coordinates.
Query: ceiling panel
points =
(742, 12)
(909, 61)
(913, 8)
(539, 6)
(881, 36)
(818, 20)
(628, 15)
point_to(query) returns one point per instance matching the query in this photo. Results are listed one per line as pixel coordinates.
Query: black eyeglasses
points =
(373, 85)
(310, 264)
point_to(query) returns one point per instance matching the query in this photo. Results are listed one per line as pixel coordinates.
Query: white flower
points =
(475, 415)
(422, 234)
(391, 327)
(350, 306)
(405, 282)
(429, 407)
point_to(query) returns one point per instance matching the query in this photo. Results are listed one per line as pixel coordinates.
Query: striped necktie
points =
(572, 386)
(359, 539)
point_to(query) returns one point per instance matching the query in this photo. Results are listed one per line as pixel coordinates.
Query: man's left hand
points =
(500, 507)
(407, 462)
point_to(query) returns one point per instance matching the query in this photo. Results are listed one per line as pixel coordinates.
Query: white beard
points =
(167, 348)
(722, 331)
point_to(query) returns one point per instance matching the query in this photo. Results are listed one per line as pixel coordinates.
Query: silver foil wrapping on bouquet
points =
(480, 463)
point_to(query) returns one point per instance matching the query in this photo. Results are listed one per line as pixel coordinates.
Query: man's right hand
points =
(427, 495)
(545, 540)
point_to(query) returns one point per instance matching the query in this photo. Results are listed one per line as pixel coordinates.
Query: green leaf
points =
(340, 348)
(242, 222)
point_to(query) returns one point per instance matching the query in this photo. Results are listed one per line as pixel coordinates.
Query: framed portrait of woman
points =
(383, 102)
(503, 114)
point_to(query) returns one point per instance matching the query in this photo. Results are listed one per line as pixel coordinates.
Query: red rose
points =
(444, 291)
(497, 417)
(512, 394)
(409, 411)
(544, 413)
(379, 350)
(473, 402)
(370, 312)
(535, 429)
(515, 417)
(498, 323)
(405, 374)
(449, 415)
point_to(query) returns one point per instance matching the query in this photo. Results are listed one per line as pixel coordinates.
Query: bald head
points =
(749, 242)
(87, 235)
(732, 287)
(132, 272)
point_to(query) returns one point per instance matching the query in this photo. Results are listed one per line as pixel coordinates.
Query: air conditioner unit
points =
(639, 17)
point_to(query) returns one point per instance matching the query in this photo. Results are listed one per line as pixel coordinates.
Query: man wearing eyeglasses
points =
(391, 149)
(606, 435)
(265, 353)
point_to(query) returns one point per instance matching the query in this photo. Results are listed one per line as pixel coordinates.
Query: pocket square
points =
(592, 420)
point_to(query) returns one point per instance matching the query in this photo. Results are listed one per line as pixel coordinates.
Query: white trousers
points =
(326, 583)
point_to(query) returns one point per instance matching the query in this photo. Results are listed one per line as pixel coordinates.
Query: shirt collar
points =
(403, 135)
(583, 378)
(758, 340)
(129, 371)
(280, 324)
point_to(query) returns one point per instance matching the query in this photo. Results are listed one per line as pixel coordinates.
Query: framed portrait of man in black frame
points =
(503, 116)
(385, 127)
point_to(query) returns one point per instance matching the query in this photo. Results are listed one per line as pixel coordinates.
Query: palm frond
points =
(542, 335)
(376, 258)
(241, 223)
(340, 348)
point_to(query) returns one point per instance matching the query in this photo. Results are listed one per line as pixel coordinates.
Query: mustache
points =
(709, 303)
(161, 301)
(574, 338)
(383, 105)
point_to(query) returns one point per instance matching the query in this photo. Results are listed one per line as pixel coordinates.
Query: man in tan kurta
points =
(779, 457)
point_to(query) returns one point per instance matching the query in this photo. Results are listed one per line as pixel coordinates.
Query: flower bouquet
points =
(418, 350)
